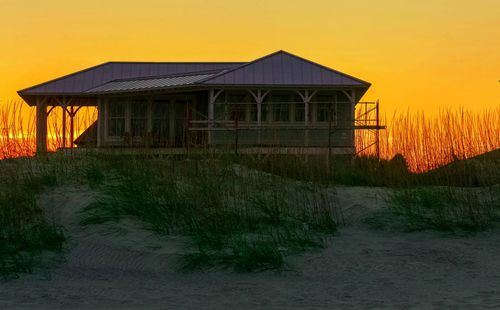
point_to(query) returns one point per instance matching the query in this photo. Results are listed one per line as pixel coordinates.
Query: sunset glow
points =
(418, 55)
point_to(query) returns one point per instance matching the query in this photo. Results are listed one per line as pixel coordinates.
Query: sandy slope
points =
(125, 266)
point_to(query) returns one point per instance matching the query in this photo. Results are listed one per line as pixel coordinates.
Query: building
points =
(280, 103)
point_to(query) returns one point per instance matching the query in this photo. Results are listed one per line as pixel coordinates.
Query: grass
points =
(249, 213)
(24, 231)
(237, 218)
(447, 208)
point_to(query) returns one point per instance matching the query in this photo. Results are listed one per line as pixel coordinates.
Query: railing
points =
(366, 117)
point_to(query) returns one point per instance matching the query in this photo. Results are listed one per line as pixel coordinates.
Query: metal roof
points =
(284, 69)
(80, 82)
(148, 84)
(277, 69)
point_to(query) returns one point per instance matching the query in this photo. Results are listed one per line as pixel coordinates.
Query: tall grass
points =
(237, 218)
(25, 232)
(427, 142)
(18, 128)
(447, 208)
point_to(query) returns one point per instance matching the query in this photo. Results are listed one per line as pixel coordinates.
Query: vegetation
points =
(236, 218)
(24, 231)
(248, 213)
(447, 208)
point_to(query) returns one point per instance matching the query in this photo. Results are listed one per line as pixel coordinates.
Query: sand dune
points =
(125, 266)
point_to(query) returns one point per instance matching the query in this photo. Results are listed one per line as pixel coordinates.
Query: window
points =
(116, 119)
(281, 112)
(325, 109)
(238, 112)
(221, 111)
(300, 112)
(264, 111)
(237, 106)
(138, 118)
(253, 112)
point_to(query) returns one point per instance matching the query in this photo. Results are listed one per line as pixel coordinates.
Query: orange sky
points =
(422, 54)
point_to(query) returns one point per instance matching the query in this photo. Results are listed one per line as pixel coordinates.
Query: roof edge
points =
(163, 76)
(367, 84)
(24, 90)
(20, 92)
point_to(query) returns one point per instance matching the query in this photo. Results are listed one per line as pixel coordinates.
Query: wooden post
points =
(63, 126)
(213, 95)
(187, 134)
(306, 99)
(259, 99)
(353, 116)
(211, 102)
(148, 137)
(377, 131)
(352, 99)
(100, 121)
(329, 135)
(171, 122)
(72, 126)
(236, 119)
(41, 126)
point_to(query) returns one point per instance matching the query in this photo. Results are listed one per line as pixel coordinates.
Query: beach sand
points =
(124, 266)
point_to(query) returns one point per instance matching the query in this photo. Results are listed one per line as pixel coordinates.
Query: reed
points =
(18, 128)
(428, 142)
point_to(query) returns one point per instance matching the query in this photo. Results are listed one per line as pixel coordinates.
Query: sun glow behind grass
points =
(18, 128)
(426, 142)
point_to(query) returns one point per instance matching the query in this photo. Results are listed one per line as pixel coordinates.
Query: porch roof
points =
(155, 83)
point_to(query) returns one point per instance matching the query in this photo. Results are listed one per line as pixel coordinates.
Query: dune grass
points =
(236, 218)
(24, 230)
(447, 208)
(248, 212)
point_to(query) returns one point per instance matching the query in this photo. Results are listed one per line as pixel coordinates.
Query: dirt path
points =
(126, 266)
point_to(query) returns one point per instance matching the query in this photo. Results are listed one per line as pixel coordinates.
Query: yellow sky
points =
(422, 54)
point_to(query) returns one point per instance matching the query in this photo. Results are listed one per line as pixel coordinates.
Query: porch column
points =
(63, 126)
(41, 125)
(213, 95)
(351, 95)
(100, 122)
(259, 97)
(149, 123)
(306, 99)
(72, 126)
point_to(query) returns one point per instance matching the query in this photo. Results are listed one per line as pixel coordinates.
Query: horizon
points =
(419, 43)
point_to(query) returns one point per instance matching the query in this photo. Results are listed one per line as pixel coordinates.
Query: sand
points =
(126, 267)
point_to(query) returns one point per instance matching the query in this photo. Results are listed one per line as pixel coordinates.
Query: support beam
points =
(148, 137)
(72, 126)
(306, 99)
(63, 127)
(41, 126)
(171, 123)
(353, 100)
(259, 97)
(100, 122)
(377, 132)
(213, 95)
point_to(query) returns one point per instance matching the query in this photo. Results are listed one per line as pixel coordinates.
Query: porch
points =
(243, 121)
